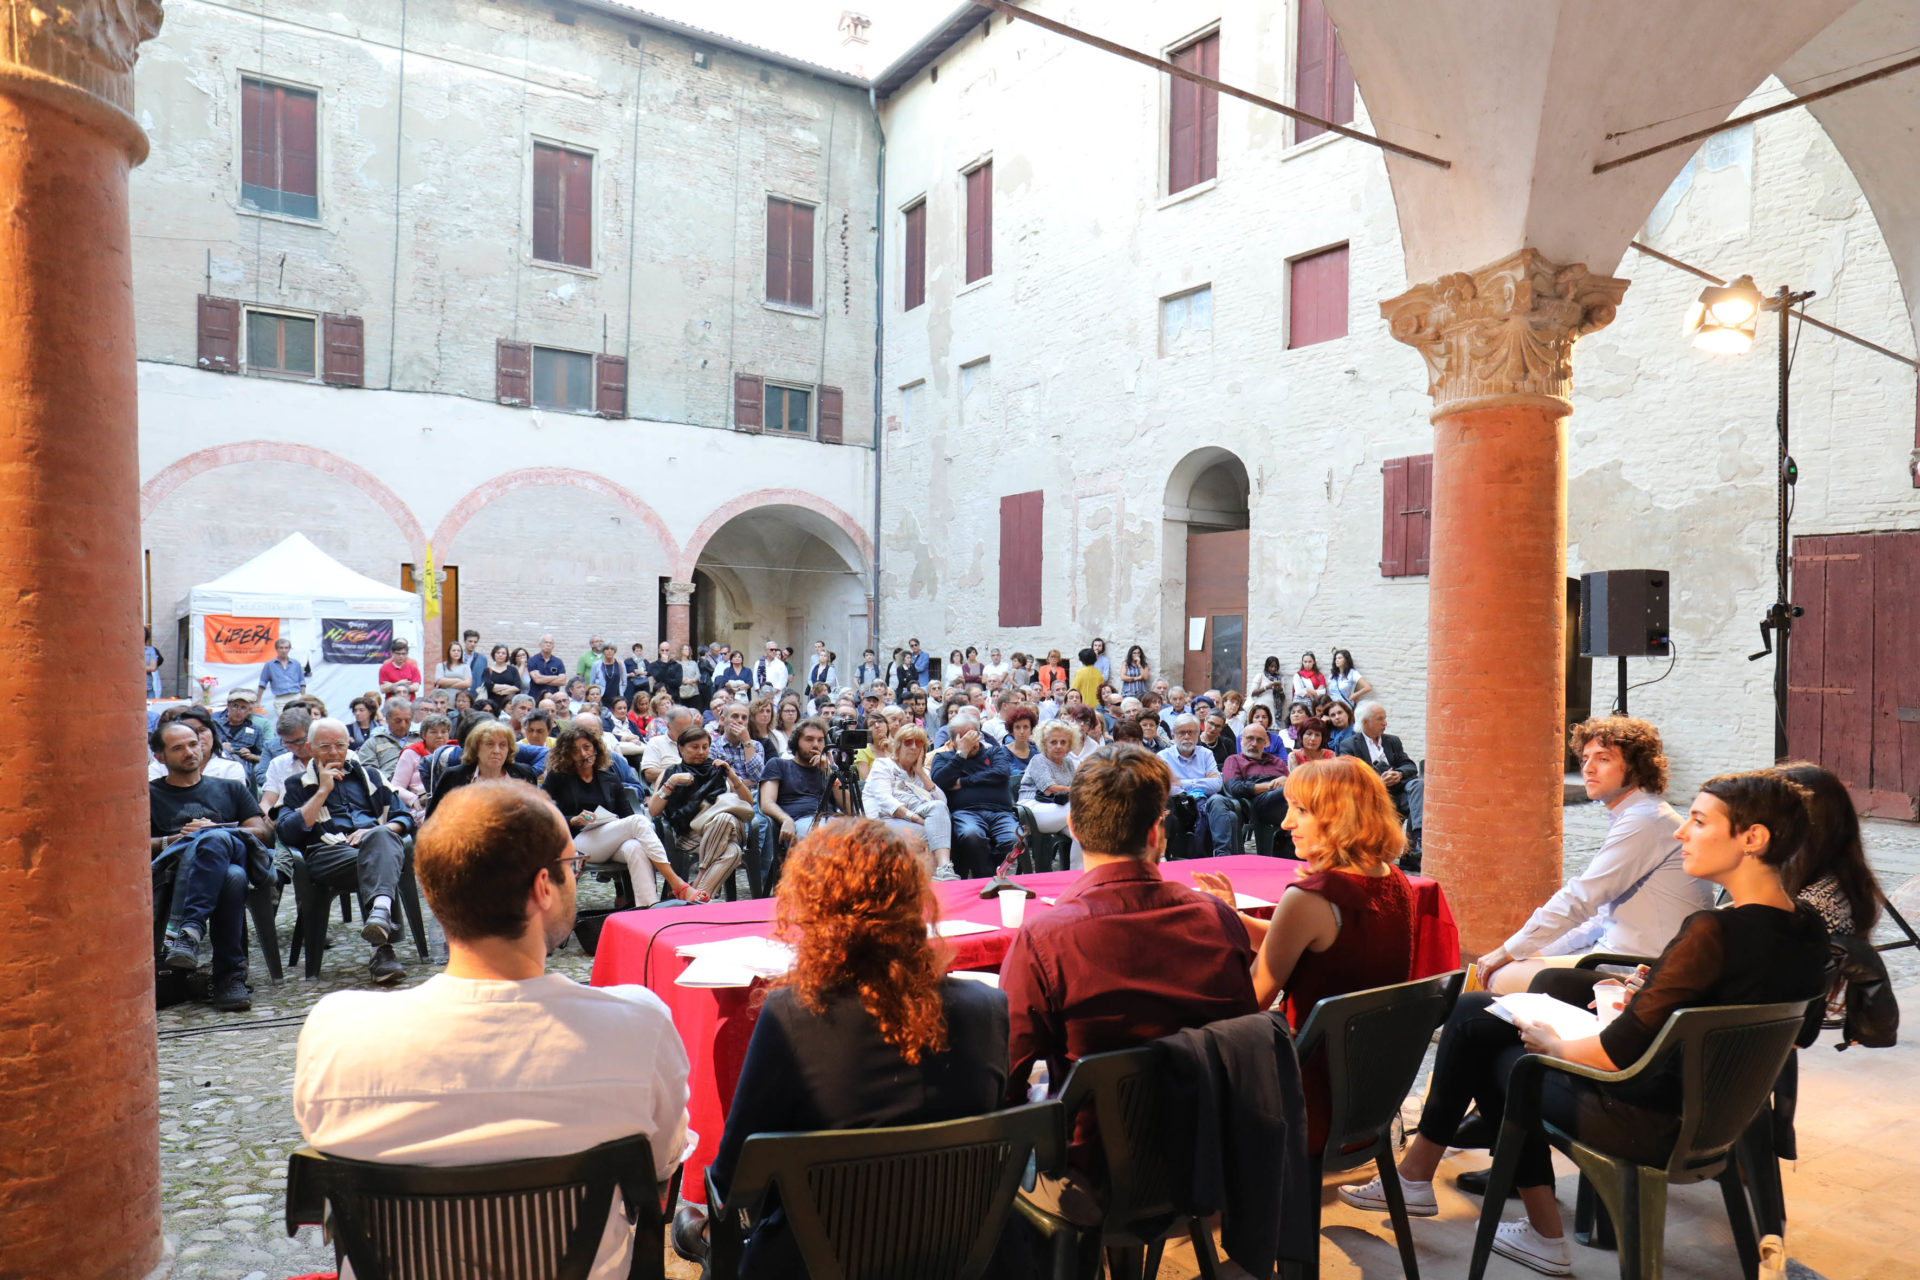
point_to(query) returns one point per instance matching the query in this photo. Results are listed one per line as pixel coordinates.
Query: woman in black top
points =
(663, 674)
(502, 681)
(866, 1030)
(486, 755)
(1763, 949)
(1830, 873)
(581, 780)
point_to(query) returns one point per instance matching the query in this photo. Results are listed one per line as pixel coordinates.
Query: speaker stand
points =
(1620, 707)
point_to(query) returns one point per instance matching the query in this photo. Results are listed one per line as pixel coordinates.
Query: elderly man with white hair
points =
(338, 813)
(977, 778)
(1196, 774)
(1372, 743)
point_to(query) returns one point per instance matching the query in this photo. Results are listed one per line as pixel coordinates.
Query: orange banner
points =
(238, 640)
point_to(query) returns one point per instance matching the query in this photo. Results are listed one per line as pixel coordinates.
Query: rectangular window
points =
(1020, 556)
(1186, 321)
(789, 253)
(976, 393)
(912, 399)
(280, 345)
(1193, 117)
(787, 410)
(562, 380)
(916, 264)
(279, 155)
(1317, 297)
(562, 205)
(980, 222)
(1322, 78)
(1407, 519)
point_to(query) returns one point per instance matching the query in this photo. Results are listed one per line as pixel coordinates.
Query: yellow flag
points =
(430, 588)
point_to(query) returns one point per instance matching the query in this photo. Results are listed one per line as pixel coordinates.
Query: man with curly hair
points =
(1634, 895)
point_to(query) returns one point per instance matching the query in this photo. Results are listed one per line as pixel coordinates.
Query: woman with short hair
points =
(706, 805)
(502, 682)
(486, 755)
(366, 713)
(1048, 778)
(900, 792)
(1312, 734)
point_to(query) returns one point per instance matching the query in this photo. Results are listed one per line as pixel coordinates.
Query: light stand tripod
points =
(1777, 627)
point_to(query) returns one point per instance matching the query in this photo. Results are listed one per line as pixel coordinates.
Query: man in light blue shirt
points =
(1634, 895)
(1197, 773)
(283, 678)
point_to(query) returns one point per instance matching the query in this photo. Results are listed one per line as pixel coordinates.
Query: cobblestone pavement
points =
(226, 1080)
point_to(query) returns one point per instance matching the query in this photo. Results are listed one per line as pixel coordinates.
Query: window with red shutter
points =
(219, 324)
(1021, 529)
(980, 222)
(279, 149)
(748, 396)
(513, 372)
(1322, 77)
(1193, 117)
(789, 253)
(562, 205)
(1317, 297)
(610, 386)
(343, 351)
(832, 413)
(1406, 520)
(915, 288)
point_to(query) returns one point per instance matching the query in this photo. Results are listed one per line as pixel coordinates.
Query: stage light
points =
(1722, 319)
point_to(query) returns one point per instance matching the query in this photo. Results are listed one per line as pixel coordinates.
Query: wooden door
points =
(1213, 632)
(1853, 691)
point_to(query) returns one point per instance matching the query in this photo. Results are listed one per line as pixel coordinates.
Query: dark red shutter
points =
(1317, 298)
(1208, 150)
(777, 272)
(219, 334)
(299, 164)
(610, 386)
(916, 272)
(1183, 123)
(980, 222)
(513, 372)
(1339, 81)
(343, 351)
(259, 134)
(1393, 528)
(1419, 511)
(749, 396)
(800, 255)
(1021, 527)
(832, 408)
(576, 228)
(546, 203)
(1323, 78)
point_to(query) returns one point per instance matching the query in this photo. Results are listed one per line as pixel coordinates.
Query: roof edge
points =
(702, 36)
(929, 47)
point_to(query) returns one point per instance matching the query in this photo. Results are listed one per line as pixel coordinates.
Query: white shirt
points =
(279, 769)
(218, 767)
(661, 753)
(776, 674)
(461, 1071)
(1375, 752)
(996, 672)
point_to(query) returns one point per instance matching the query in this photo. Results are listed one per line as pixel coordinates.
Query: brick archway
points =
(539, 477)
(175, 474)
(747, 503)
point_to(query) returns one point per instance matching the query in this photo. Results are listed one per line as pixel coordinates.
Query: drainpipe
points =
(879, 345)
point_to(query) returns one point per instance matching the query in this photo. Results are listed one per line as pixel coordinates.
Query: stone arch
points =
(848, 538)
(1204, 544)
(175, 474)
(1209, 486)
(543, 477)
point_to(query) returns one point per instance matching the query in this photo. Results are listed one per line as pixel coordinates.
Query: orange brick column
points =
(79, 1127)
(679, 614)
(1499, 346)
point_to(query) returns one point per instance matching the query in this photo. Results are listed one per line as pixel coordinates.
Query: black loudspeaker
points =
(1623, 613)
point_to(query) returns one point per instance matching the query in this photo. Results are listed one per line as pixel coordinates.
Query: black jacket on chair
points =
(1397, 757)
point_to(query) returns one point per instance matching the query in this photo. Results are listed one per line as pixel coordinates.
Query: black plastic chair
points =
(1372, 1044)
(263, 901)
(1264, 833)
(516, 1220)
(313, 896)
(1041, 850)
(916, 1202)
(1148, 1160)
(1729, 1057)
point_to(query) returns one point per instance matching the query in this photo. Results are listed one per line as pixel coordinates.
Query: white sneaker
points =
(945, 871)
(1371, 1195)
(1519, 1241)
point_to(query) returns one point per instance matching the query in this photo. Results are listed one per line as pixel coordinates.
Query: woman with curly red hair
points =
(866, 1029)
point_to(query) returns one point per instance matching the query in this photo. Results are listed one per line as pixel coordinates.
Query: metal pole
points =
(1784, 563)
(1623, 686)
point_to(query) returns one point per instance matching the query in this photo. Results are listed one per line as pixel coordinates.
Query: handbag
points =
(728, 805)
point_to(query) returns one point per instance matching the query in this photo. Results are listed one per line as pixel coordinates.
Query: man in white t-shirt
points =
(495, 1059)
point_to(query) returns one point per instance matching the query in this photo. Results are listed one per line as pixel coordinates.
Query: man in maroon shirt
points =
(1123, 957)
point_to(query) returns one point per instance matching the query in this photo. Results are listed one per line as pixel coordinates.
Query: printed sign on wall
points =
(356, 641)
(240, 640)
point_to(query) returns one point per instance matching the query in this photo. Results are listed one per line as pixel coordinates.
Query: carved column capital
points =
(79, 54)
(679, 593)
(1506, 329)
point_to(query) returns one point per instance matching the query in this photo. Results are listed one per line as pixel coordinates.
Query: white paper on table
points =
(958, 928)
(1050, 901)
(733, 962)
(1247, 902)
(1558, 1016)
(976, 975)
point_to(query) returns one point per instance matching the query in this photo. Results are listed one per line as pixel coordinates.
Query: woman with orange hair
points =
(866, 1029)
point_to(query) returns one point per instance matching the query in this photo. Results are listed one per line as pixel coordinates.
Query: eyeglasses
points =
(576, 864)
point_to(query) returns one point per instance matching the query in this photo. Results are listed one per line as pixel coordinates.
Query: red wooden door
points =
(1853, 690)
(1216, 611)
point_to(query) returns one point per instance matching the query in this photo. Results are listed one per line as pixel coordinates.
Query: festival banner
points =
(359, 642)
(235, 641)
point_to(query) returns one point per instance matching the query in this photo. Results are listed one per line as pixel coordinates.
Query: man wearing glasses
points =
(495, 1059)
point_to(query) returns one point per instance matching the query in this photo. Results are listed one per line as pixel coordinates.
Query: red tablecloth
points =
(639, 947)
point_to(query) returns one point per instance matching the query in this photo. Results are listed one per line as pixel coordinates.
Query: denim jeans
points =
(210, 893)
(982, 840)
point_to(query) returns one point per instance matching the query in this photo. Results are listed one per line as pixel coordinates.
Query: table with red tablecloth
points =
(640, 947)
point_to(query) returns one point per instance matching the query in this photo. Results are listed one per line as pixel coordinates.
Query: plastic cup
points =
(1609, 1000)
(1013, 909)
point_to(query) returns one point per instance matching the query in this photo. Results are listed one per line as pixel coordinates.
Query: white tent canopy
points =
(297, 588)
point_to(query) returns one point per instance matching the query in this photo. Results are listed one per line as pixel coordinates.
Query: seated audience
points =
(1339, 719)
(213, 764)
(1373, 745)
(879, 745)
(1021, 722)
(865, 1030)
(663, 750)
(496, 1059)
(977, 779)
(409, 774)
(1123, 957)
(584, 787)
(1289, 735)
(1215, 736)
(1312, 736)
(240, 737)
(386, 740)
(1196, 777)
(1763, 949)
(1258, 777)
(1348, 924)
(211, 826)
(1047, 783)
(737, 746)
(795, 793)
(535, 732)
(900, 792)
(295, 754)
(707, 807)
(364, 711)
(1635, 894)
(486, 755)
(1830, 872)
(340, 814)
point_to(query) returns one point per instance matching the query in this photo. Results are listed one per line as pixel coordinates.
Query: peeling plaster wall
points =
(1671, 451)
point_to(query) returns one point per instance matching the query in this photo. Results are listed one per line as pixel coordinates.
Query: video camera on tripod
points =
(844, 738)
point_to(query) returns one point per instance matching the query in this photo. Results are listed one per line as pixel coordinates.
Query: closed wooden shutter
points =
(831, 410)
(1021, 539)
(299, 160)
(777, 239)
(546, 203)
(749, 399)
(1393, 529)
(610, 386)
(576, 209)
(980, 223)
(219, 334)
(513, 372)
(1419, 512)
(1406, 518)
(343, 354)
(259, 135)
(800, 255)
(1317, 298)
(915, 291)
(1323, 78)
(1193, 118)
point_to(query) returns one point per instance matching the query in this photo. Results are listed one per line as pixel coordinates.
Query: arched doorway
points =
(1207, 532)
(783, 573)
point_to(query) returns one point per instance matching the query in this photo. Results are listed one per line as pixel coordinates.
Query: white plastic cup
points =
(1013, 909)
(1610, 1000)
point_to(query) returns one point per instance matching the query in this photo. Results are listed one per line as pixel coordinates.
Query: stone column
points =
(679, 614)
(79, 1131)
(1499, 349)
